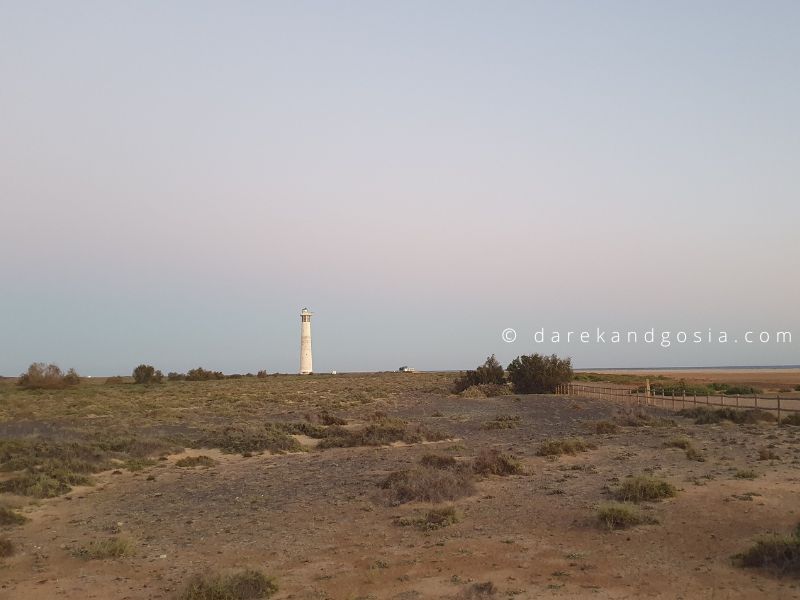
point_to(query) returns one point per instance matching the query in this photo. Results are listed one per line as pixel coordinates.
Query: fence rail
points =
(668, 400)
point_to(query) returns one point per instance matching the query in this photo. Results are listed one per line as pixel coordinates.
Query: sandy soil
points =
(319, 523)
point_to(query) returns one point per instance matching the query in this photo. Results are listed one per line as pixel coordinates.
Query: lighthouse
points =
(305, 342)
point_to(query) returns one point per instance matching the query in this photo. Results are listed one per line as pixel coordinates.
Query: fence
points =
(668, 400)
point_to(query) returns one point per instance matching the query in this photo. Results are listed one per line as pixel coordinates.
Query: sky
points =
(178, 180)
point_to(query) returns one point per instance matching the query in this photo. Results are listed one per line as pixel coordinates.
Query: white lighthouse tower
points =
(305, 342)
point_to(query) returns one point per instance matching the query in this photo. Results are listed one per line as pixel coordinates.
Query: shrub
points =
(244, 585)
(147, 374)
(644, 488)
(381, 433)
(428, 485)
(9, 517)
(6, 547)
(537, 374)
(196, 461)
(489, 373)
(556, 447)
(503, 422)
(704, 416)
(621, 515)
(679, 442)
(603, 427)
(251, 438)
(40, 376)
(494, 462)
(780, 554)
(438, 461)
(43, 484)
(767, 454)
(693, 453)
(200, 374)
(262, 374)
(436, 518)
(173, 376)
(792, 419)
(114, 547)
(745, 474)
(114, 380)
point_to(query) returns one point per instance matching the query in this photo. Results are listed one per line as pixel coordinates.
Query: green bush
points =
(244, 585)
(537, 374)
(147, 374)
(489, 373)
(777, 553)
(40, 376)
(644, 488)
(200, 374)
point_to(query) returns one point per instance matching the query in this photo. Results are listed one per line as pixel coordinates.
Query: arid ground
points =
(297, 484)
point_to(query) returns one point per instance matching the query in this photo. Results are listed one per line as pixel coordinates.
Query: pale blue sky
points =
(177, 180)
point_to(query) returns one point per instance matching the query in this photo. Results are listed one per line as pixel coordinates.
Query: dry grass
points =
(245, 438)
(383, 432)
(196, 461)
(244, 585)
(6, 547)
(621, 515)
(605, 427)
(679, 442)
(10, 517)
(502, 422)
(745, 474)
(494, 462)
(704, 416)
(792, 419)
(427, 484)
(438, 461)
(556, 447)
(644, 488)
(767, 454)
(779, 554)
(436, 518)
(113, 547)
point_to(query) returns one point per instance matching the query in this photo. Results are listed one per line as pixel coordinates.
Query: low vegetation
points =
(380, 433)
(704, 416)
(40, 376)
(604, 427)
(503, 422)
(558, 446)
(439, 461)
(767, 454)
(745, 474)
(113, 547)
(621, 515)
(490, 373)
(428, 484)
(494, 462)
(779, 554)
(639, 418)
(6, 547)
(792, 419)
(248, 438)
(196, 461)
(10, 517)
(144, 374)
(683, 443)
(644, 488)
(538, 374)
(436, 518)
(248, 584)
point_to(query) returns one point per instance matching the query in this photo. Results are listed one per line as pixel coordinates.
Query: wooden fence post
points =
(779, 409)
